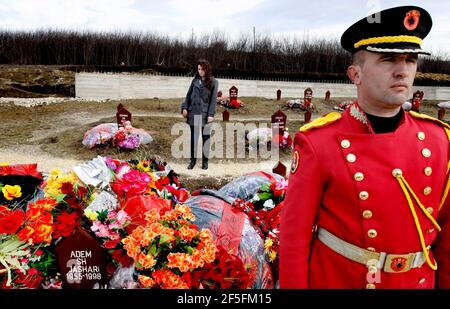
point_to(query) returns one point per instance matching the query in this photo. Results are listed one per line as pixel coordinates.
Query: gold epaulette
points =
(426, 117)
(321, 122)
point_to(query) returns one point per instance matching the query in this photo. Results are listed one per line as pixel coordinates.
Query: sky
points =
(311, 19)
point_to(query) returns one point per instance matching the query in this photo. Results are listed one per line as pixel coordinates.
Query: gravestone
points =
(225, 116)
(279, 122)
(279, 169)
(416, 100)
(81, 261)
(278, 94)
(308, 104)
(327, 95)
(233, 96)
(308, 98)
(441, 114)
(307, 116)
(219, 94)
(122, 115)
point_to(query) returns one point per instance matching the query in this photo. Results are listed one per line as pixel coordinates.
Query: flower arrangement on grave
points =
(264, 210)
(135, 213)
(169, 247)
(126, 137)
(26, 241)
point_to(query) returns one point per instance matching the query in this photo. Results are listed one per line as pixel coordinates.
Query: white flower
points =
(255, 198)
(269, 204)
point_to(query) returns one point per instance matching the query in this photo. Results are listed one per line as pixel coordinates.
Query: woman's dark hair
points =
(209, 79)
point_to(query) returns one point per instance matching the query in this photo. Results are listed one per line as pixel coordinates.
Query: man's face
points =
(385, 80)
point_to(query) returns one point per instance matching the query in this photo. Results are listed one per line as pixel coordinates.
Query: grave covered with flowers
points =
(131, 224)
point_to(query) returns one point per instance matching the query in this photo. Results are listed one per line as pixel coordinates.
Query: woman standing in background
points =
(199, 109)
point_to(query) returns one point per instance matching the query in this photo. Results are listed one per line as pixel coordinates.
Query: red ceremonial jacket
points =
(342, 180)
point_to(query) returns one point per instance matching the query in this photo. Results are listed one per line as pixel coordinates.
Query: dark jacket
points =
(200, 101)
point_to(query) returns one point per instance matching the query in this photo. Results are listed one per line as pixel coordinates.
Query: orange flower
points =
(186, 212)
(178, 260)
(25, 233)
(33, 214)
(132, 251)
(147, 282)
(188, 233)
(205, 235)
(197, 258)
(146, 261)
(45, 218)
(171, 215)
(168, 280)
(42, 233)
(46, 204)
(152, 216)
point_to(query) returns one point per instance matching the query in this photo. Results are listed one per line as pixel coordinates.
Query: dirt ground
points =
(36, 130)
(36, 81)
(51, 135)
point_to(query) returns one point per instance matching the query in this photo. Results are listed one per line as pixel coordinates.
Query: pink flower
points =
(121, 170)
(134, 175)
(110, 163)
(95, 226)
(111, 215)
(133, 182)
(122, 217)
(114, 226)
(100, 229)
(103, 231)
(281, 185)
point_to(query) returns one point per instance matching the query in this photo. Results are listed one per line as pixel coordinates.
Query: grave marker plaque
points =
(225, 116)
(81, 261)
(122, 115)
(279, 169)
(234, 92)
(308, 98)
(307, 116)
(279, 122)
(327, 95)
(417, 100)
(441, 114)
(278, 94)
(233, 96)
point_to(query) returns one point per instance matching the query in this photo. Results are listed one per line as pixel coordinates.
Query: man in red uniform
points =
(366, 205)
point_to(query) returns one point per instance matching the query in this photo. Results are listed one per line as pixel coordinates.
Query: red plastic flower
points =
(226, 272)
(162, 182)
(65, 224)
(121, 257)
(66, 188)
(10, 221)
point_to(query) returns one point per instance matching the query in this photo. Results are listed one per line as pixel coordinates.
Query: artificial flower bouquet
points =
(126, 137)
(28, 232)
(110, 134)
(137, 214)
(169, 247)
(263, 137)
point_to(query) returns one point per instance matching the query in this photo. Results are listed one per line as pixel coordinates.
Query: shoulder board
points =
(429, 118)
(321, 122)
